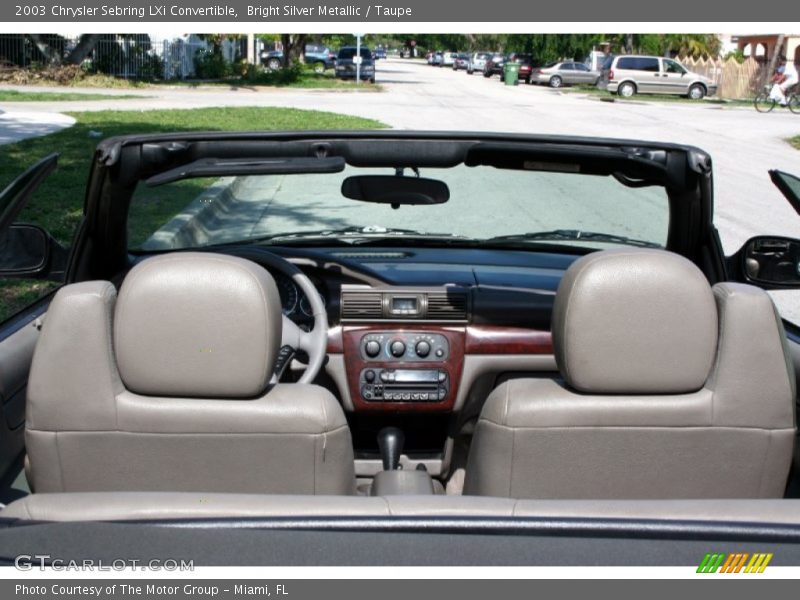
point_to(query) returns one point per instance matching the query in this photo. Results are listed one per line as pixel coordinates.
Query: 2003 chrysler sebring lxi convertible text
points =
(399, 348)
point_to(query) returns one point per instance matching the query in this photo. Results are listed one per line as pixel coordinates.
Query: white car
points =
(448, 58)
(477, 60)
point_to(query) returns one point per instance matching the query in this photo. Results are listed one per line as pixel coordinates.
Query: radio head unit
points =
(404, 385)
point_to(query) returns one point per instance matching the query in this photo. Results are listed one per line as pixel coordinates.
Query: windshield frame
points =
(684, 171)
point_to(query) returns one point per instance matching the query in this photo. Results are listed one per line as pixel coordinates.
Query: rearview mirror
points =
(395, 189)
(29, 251)
(771, 262)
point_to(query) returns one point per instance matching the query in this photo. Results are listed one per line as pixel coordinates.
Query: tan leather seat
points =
(167, 389)
(669, 389)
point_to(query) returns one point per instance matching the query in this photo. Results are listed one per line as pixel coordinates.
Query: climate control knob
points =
(398, 348)
(423, 348)
(372, 348)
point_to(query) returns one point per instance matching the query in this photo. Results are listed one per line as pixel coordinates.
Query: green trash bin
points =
(511, 73)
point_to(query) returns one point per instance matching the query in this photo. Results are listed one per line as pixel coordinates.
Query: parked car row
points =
(322, 58)
(530, 70)
(625, 75)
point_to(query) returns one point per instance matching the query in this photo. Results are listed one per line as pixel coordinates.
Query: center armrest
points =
(402, 483)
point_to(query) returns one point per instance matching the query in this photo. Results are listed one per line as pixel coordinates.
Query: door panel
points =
(675, 80)
(19, 332)
(583, 75)
(16, 353)
(793, 489)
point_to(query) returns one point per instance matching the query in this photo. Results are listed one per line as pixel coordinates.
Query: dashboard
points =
(411, 330)
(418, 337)
(503, 287)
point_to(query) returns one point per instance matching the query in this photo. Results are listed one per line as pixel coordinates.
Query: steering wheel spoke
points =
(314, 343)
(291, 334)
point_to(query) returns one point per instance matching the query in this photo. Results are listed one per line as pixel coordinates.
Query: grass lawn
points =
(795, 141)
(58, 204)
(603, 94)
(26, 96)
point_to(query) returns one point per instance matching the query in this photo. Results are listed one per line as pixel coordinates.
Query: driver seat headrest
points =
(197, 325)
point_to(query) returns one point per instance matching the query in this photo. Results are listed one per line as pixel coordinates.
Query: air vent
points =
(447, 306)
(371, 255)
(362, 305)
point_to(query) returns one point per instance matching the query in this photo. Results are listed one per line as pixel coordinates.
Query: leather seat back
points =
(167, 389)
(668, 389)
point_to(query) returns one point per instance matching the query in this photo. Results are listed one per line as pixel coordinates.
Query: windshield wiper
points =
(353, 235)
(570, 235)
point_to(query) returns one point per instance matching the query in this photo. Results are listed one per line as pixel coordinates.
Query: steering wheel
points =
(314, 342)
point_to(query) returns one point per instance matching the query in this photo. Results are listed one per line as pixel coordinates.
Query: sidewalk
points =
(19, 125)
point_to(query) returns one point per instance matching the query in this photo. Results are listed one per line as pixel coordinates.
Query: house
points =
(762, 46)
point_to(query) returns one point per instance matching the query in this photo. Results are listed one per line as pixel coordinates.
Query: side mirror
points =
(770, 262)
(28, 251)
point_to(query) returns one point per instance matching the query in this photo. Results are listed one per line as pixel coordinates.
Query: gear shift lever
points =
(390, 444)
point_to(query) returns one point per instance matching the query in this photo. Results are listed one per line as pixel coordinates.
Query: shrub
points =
(58, 75)
(261, 76)
(208, 65)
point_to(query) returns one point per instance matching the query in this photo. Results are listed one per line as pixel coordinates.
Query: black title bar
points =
(409, 11)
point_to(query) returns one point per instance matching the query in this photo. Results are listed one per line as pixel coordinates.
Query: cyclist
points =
(784, 79)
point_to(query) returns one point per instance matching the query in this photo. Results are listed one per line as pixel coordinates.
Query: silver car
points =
(476, 62)
(627, 75)
(565, 73)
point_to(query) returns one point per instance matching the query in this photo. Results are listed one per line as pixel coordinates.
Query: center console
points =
(399, 369)
(381, 381)
(403, 348)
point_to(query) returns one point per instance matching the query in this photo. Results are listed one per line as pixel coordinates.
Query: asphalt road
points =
(743, 144)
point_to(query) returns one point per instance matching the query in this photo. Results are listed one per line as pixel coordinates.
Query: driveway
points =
(17, 125)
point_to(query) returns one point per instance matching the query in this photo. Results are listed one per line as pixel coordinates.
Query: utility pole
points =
(251, 48)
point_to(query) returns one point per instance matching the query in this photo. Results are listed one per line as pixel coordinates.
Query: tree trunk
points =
(85, 45)
(293, 48)
(773, 60)
(51, 55)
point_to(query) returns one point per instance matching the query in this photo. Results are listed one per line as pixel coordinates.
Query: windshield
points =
(346, 53)
(484, 203)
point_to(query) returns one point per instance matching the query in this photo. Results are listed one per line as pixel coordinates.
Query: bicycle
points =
(764, 103)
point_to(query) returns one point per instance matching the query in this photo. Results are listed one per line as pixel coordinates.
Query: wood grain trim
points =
(335, 342)
(488, 339)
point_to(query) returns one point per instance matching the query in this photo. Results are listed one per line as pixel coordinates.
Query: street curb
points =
(615, 100)
(191, 227)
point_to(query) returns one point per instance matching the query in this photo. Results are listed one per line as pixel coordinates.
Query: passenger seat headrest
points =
(634, 321)
(197, 325)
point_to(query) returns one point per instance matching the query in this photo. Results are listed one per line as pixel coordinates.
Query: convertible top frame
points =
(122, 162)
